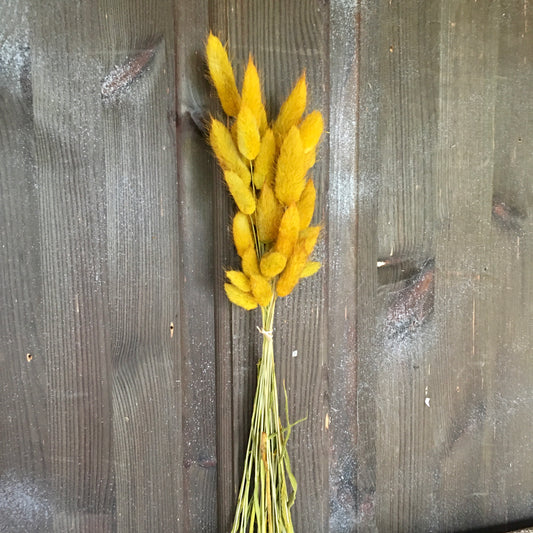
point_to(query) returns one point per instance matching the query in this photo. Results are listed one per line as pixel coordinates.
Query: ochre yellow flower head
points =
(227, 154)
(239, 297)
(311, 129)
(239, 279)
(248, 137)
(290, 172)
(289, 229)
(264, 164)
(306, 204)
(252, 96)
(242, 233)
(310, 268)
(250, 266)
(272, 264)
(222, 75)
(261, 289)
(292, 109)
(242, 193)
(308, 237)
(291, 274)
(268, 215)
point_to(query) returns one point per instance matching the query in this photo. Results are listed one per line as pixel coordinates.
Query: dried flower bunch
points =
(265, 167)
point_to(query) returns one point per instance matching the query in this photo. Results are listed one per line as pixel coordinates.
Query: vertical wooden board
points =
(237, 348)
(136, 101)
(408, 56)
(503, 318)
(350, 231)
(460, 431)
(406, 49)
(285, 39)
(72, 234)
(25, 503)
(198, 264)
(365, 348)
(223, 258)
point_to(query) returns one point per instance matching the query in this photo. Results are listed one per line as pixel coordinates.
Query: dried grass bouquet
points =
(265, 166)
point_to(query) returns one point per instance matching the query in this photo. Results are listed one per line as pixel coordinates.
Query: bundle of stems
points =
(265, 167)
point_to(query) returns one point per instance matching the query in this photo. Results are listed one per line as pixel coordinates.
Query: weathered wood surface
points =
(127, 378)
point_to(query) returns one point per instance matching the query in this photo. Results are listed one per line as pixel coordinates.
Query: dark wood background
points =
(126, 378)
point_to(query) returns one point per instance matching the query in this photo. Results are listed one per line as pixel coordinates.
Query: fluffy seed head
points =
(289, 229)
(290, 276)
(311, 129)
(222, 75)
(239, 279)
(264, 164)
(227, 154)
(306, 204)
(308, 238)
(242, 194)
(239, 297)
(290, 172)
(309, 159)
(252, 96)
(249, 262)
(242, 233)
(272, 264)
(310, 268)
(268, 215)
(292, 109)
(261, 289)
(248, 138)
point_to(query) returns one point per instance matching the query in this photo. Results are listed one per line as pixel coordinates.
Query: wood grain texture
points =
(71, 183)
(439, 461)
(24, 447)
(127, 377)
(143, 262)
(199, 270)
(343, 262)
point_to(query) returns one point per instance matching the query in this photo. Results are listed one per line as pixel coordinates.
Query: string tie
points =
(265, 333)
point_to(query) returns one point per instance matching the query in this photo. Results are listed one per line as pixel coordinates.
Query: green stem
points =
(263, 502)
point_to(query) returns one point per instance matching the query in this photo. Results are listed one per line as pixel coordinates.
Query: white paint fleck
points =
(426, 401)
(295, 353)
(23, 504)
(14, 49)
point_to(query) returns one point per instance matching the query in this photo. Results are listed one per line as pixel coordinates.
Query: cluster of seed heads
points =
(265, 167)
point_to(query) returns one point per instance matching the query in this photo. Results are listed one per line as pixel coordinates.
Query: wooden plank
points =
(236, 340)
(24, 446)
(408, 55)
(198, 264)
(503, 312)
(350, 252)
(74, 342)
(103, 205)
(462, 445)
(407, 49)
(354, 441)
(137, 102)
